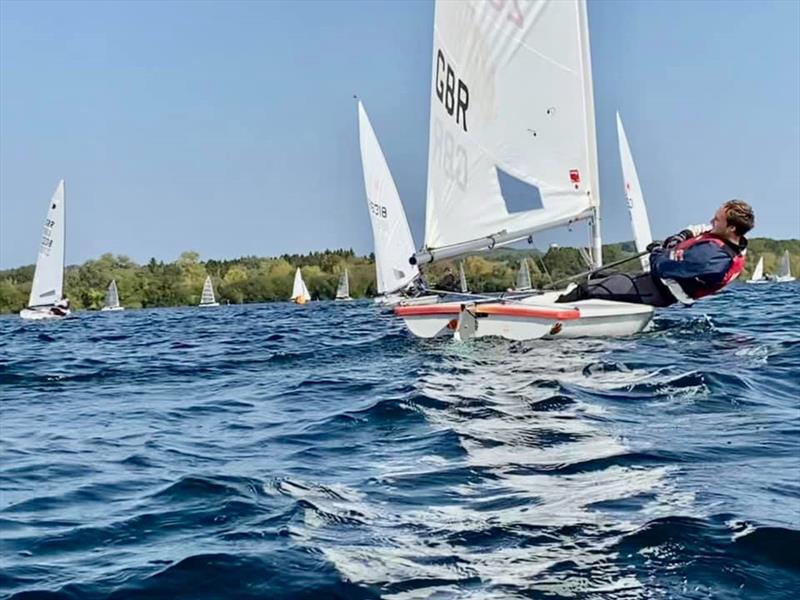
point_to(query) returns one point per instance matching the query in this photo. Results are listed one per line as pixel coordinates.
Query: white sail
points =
(112, 296)
(523, 276)
(511, 90)
(392, 236)
(299, 289)
(758, 272)
(640, 224)
(207, 298)
(48, 278)
(343, 290)
(462, 278)
(784, 268)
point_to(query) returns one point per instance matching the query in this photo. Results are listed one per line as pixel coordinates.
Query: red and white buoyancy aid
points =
(735, 269)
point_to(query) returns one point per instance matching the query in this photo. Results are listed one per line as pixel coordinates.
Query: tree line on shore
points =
(255, 279)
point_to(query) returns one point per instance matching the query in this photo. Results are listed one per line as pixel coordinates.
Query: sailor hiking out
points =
(697, 262)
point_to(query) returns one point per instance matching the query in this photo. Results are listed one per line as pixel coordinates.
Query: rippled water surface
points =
(276, 451)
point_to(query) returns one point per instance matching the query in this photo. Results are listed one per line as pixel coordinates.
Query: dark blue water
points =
(275, 451)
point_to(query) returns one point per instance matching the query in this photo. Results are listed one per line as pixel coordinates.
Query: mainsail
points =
(343, 290)
(523, 276)
(462, 278)
(208, 292)
(112, 296)
(392, 236)
(642, 236)
(758, 272)
(784, 267)
(511, 93)
(299, 289)
(48, 278)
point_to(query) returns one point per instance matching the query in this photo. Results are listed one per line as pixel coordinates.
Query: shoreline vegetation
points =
(253, 279)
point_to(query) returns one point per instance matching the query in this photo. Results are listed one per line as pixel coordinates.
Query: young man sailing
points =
(694, 263)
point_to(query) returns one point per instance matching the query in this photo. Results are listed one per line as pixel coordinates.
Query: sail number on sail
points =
(378, 210)
(454, 102)
(47, 236)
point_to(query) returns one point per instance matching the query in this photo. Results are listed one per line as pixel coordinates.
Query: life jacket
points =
(735, 269)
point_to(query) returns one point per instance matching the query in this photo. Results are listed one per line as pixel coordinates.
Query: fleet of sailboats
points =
(511, 97)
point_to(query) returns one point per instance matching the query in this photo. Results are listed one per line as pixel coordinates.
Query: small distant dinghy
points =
(390, 231)
(112, 298)
(758, 273)
(637, 209)
(462, 278)
(46, 300)
(784, 273)
(207, 298)
(488, 121)
(523, 277)
(300, 293)
(343, 289)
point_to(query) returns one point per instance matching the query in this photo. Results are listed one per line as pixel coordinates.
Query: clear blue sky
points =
(230, 128)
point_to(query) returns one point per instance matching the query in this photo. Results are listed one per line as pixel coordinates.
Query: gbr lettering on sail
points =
(453, 94)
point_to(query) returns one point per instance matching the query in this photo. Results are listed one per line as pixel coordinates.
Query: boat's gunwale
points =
(499, 309)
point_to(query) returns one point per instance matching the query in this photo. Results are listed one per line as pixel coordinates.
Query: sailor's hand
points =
(696, 230)
(653, 246)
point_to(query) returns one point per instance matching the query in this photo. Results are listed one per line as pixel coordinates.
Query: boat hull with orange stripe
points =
(534, 317)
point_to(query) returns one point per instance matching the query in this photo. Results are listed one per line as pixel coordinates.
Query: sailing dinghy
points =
(758, 273)
(343, 290)
(511, 95)
(640, 223)
(112, 298)
(47, 291)
(784, 273)
(523, 277)
(390, 231)
(462, 278)
(207, 297)
(300, 293)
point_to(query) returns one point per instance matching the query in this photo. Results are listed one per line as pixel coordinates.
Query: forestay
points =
(392, 236)
(640, 224)
(48, 278)
(511, 89)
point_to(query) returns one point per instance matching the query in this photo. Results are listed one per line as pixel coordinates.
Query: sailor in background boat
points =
(61, 308)
(697, 262)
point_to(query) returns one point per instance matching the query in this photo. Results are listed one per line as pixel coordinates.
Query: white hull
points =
(758, 281)
(208, 304)
(346, 299)
(531, 318)
(111, 308)
(40, 314)
(784, 279)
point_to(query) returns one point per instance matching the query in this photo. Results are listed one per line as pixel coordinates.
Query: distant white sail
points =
(642, 236)
(784, 273)
(524, 276)
(343, 290)
(48, 278)
(392, 236)
(112, 296)
(299, 289)
(207, 298)
(462, 278)
(758, 272)
(511, 92)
